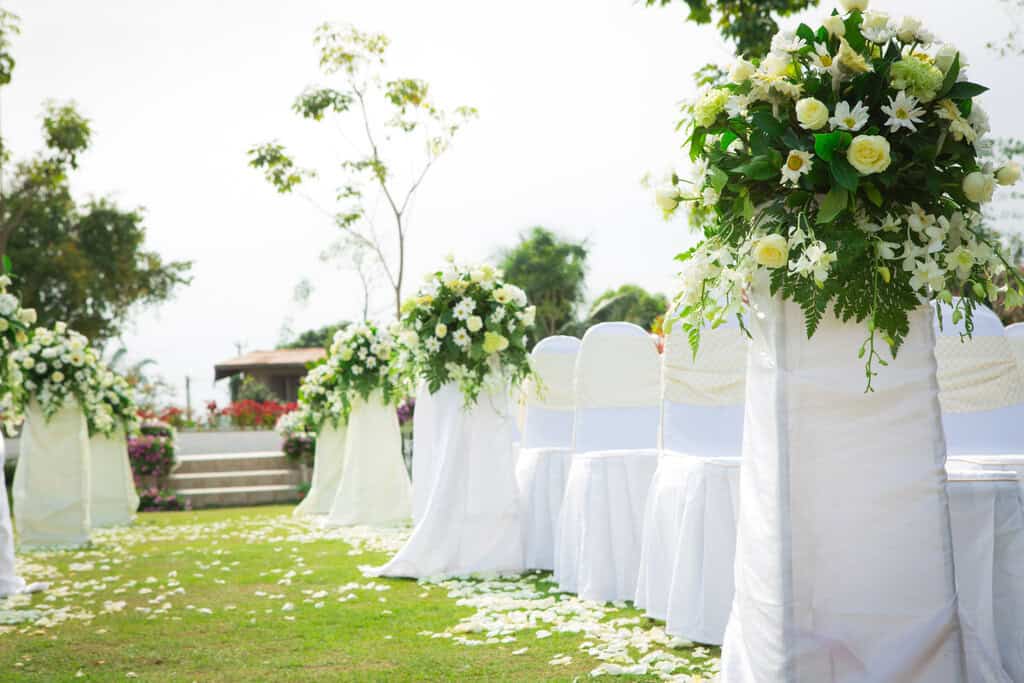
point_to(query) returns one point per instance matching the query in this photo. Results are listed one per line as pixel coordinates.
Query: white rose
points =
(908, 29)
(1008, 174)
(27, 316)
(812, 113)
(772, 251)
(850, 5)
(440, 330)
(944, 57)
(666, 197)
(869, 154)
(8, 304)
(346, 354)
(474, 323)
(834, 25)
(741, 71)
(979, 187)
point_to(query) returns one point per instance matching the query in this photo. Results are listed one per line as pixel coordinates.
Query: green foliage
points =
(278, 167)
(551, 270)
(320, 337)
(749, 24)
(252, 389)
(629, 303)
(66, 132)
(10, 25)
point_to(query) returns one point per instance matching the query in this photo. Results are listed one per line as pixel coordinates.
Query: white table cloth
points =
(542, 467)
(10, 582)
(988, 545)
(422, 451)
(51, 484)
(328, 461)
(471, 523)
(374, 486)
(113, 500)
(844, 560)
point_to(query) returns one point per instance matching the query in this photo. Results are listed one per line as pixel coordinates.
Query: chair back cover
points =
(550, 404)
(1015, 333)
(112, 497)
(702, 396)
(617, 388)
(981, 386)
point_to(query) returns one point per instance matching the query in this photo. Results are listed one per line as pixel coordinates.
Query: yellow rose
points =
(1008, 174)
(741, 71)
(811, 113)
(494, 342)
(869, 154)
(771, 251)
(979, 187)
(474, 323)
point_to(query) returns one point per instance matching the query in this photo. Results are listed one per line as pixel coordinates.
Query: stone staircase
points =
(235, 479)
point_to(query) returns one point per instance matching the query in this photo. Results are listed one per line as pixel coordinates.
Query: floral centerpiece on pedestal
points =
(360, 361)
(842, 171)
(116, 406)
(467, 326)
(57, 365)
(15, 325)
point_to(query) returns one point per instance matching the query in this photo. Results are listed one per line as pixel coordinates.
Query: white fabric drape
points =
(112, 499)
(327, 464)
(423, 468)
(471, 523)
(988, 524)
(616, 436)
(51, 484)
(10, 582)
(542, 474)
(374, 486)
(1015, 334)
(844, 561)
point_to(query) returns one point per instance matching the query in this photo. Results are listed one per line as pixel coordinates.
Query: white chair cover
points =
(543, 464)
(374, 486)
(327, 465)
(472, 522)
(423, 468)
(1000, 463)
(10, 582)
(616, 435)
(112, 499)
(51, 484)
(690, 520)
(1015, 333)
(988, 545)
(844, 561)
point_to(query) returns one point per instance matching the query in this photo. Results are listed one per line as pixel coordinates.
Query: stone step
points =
(234, 496)
(230, 479)
(232, 462)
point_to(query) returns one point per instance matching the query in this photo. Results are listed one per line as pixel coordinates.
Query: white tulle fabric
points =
(51, 484)
(374, 486)
(327, 465)
(471, 523)
(543, 464)
(10, 582)
(423, 469)
(844, 561)
(112, 499)
(599, 533)
(988, 545)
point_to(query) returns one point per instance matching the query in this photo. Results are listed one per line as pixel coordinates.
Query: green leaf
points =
(727, 139)
(950, 80)
(718, 178)
(874, 196)
(760, 167)
(764, 120)
(804, 31)
(748, 208)
(845, 174)
(853, 35)
(8, 268)
(825, 144)
(965, 90)
(794, 140)
(833, 205)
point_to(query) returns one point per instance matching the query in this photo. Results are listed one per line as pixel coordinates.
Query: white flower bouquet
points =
(469, 327)
(57, 365)
(360, 361)
(15, 324)
(115, 404)
(842, 172)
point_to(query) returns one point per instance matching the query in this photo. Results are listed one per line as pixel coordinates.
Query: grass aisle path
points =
(252, 595)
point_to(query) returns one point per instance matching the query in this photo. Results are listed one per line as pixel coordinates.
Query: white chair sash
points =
(977, 374)
(715, 377)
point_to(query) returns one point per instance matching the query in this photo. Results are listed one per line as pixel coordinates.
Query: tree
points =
(84, 265)
(320, 337)
(749, 24)
(415, 131)
(551, 271)
(629, 303)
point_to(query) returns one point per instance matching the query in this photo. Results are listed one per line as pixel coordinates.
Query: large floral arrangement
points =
(360, 361)
(57, 365)
(116, 406)
(15, 324)
(469, 327)
(842, 170)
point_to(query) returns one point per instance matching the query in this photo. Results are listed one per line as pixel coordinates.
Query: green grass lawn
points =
(253, 595)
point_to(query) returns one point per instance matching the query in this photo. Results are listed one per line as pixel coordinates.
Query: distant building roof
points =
(280, 359)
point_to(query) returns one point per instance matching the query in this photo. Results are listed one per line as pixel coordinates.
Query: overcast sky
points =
(577, 100)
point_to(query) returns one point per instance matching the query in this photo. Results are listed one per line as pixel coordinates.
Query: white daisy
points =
(432, 344)
(464, 308)
(849, 119)
(461, 338)
(903, 112)
(798, 164)
(821, 58)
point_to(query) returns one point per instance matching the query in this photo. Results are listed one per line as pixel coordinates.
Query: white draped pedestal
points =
(112, 498)
(423, 469)
(471, 522)
(51, 484)
(844, 560)
(327, 464)
(374, 486)
(10, 582)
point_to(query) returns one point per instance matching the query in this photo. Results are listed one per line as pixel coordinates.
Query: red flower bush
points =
(253, 414)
